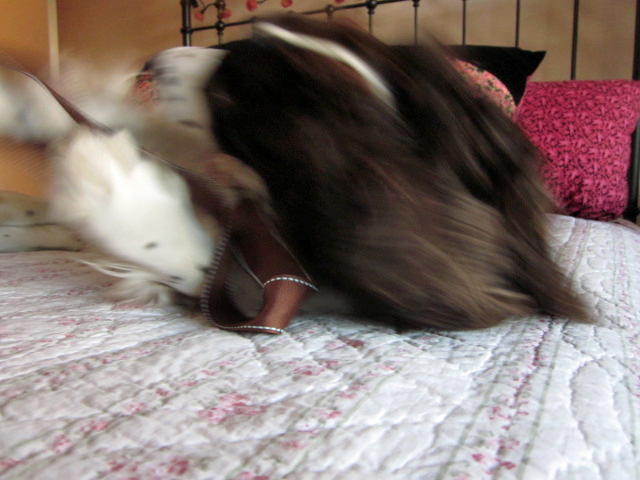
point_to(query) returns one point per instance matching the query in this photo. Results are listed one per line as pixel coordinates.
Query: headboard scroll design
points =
(221, 25)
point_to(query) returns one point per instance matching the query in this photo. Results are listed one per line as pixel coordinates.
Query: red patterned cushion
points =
(583, 129)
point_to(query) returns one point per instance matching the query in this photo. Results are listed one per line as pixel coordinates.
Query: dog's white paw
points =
(131, 206)
(136, 285)
(135, 291)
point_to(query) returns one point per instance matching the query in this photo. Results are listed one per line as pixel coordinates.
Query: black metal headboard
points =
(220, 25)
(372, 5)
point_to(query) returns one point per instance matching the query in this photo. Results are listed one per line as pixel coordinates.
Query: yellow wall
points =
(103, 32)
(120, 30)
(24, 37)
(24, 32)
(23, 168)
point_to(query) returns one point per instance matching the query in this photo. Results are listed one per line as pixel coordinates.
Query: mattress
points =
(94, 390)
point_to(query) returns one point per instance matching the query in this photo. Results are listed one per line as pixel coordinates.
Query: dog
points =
(391, 181)
(388, 180)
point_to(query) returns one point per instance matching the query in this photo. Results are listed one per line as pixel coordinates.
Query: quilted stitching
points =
(91, 390)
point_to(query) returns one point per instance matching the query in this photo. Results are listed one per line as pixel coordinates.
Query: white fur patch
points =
(179, 77)
(28, 112)
(335, 51)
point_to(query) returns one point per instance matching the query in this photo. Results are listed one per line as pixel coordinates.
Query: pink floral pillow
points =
(583, 129)
(487, 84)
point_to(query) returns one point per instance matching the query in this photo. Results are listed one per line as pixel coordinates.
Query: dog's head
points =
(133, 207)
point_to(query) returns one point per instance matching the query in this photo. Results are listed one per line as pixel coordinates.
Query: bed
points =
(90, 389)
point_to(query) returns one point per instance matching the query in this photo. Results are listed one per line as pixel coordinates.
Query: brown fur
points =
(430, 215)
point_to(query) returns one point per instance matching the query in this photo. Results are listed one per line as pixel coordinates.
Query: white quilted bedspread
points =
(92, 390)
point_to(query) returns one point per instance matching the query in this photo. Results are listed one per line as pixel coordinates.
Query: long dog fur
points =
(426, 212)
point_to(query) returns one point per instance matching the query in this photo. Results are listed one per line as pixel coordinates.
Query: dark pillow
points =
(512, 65)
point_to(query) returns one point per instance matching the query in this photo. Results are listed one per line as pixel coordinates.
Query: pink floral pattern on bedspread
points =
(583, 129)
(92, 390)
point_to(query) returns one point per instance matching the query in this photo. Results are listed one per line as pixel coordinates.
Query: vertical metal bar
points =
(416, 12)
(371, 8)
(220, 29)
(518, 5)
(54, 40)
(186, 22)
(635, 74)
(220, 25)
(574, 41)
(464, 22)
(633, 175)
(329, 9)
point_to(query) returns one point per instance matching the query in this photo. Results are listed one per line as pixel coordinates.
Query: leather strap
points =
(284, 282)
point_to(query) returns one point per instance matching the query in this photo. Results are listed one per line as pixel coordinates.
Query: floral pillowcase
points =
(489, 85)
(583, 130)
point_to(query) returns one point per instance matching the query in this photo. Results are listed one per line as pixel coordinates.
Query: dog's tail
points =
(498, 166)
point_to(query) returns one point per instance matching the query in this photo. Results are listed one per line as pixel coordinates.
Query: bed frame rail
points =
(632, 211)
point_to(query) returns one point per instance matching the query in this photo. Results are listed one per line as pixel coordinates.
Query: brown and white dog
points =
(390, 181)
